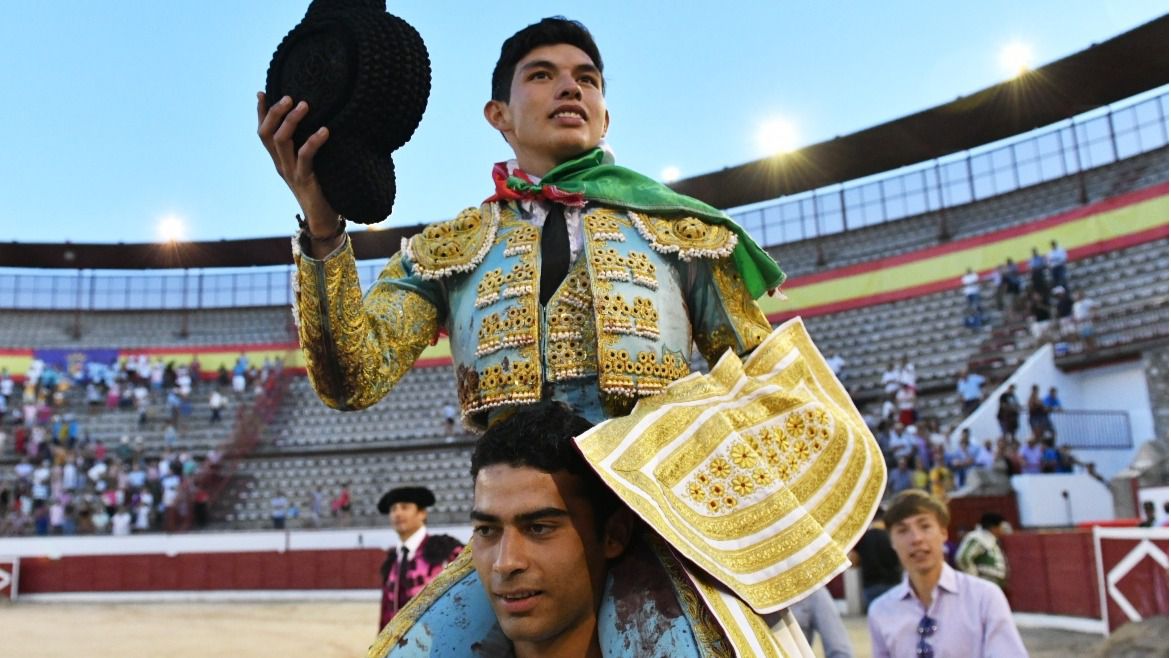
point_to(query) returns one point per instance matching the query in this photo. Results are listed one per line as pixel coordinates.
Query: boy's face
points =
(539, 557)
(918, 541)
(556, 108)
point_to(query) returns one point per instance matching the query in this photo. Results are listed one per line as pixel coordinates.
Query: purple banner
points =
(73, 361)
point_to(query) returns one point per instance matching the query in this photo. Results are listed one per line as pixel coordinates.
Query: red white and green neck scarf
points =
(587, 178)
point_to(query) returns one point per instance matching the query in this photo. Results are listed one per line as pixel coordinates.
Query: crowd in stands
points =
(1038, 289)
(68, 482)
(920, 455)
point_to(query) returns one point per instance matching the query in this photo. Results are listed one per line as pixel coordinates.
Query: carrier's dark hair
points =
(541, 437)
(548, 32)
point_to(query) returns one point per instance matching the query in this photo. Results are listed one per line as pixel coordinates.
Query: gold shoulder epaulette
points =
(454, 246)
(689, 237)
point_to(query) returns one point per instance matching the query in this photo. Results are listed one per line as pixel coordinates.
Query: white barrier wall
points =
(214, 542)
(1117, 387)
(1061, 499)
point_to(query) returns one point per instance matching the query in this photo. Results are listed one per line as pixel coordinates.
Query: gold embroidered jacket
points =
(620, 326)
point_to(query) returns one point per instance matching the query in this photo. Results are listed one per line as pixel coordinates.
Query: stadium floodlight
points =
(172, 228)
(670, 174)
(777, 136)
(1016, 58)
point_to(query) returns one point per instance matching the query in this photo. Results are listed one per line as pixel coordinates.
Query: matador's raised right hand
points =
(275, 128)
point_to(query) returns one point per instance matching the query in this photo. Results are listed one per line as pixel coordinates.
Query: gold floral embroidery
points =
(454, 246)
(571, 347)
(512, 381)
(689, 237)
(513, 330)
(604, 225)
(637, 319)
(521, 240)
(748, 321)
(357, 348)
(773, 453)
(644, 375)
(610, 265)
(520, 281)
(642, 270)
(488, 289)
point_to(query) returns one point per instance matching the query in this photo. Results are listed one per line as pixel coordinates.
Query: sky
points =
(121, 114)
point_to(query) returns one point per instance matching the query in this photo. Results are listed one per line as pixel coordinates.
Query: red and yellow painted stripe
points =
(1112, 224)
(1115, 223)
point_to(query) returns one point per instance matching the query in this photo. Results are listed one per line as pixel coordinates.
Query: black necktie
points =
(554, 252)
(401, 585)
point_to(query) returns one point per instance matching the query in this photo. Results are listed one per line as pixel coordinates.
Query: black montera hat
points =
(366, 76)
(420, 496)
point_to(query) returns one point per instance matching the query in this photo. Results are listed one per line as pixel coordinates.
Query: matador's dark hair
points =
(548, 32)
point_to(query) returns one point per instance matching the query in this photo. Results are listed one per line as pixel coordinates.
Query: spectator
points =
(1051, 401)
(941, 480)
(316, 507)
(1038, 274)
(817, 614)
(905, 400)
(1063, 308)
(899, 479)
(223, 378)
(889, 412)
(1083, 317)
(419, 557)
(970, 283)
(1039, 307)
(1010, 281)
(449, 414)
(170, 436)
(1150, 517)
(1039, 421)
(920, 478)
(1051, 458)
(996, 280)
(239, 375)
(901, 444)
(342, 505)
(195, 370)
(1009, 413)
(280, 509)
(216, 403)
(1031, 456)
(907, 376)
(877, 560)
(963, 457)
(979, 553)
(936, 607)
(971, 389)
(986, 457)
(120, 522)
(1056, 260)
(890, 379)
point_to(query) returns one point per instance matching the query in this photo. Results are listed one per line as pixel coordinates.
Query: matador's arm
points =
(357, 348)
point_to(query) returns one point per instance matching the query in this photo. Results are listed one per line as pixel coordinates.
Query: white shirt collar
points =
(412, 542)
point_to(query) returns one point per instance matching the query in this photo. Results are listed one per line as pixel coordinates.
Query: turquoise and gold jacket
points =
(620, 327)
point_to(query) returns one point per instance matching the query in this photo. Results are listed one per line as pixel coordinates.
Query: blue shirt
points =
(969, 387)
(972, 619)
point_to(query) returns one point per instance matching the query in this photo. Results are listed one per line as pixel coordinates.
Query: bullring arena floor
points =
(287, 630)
